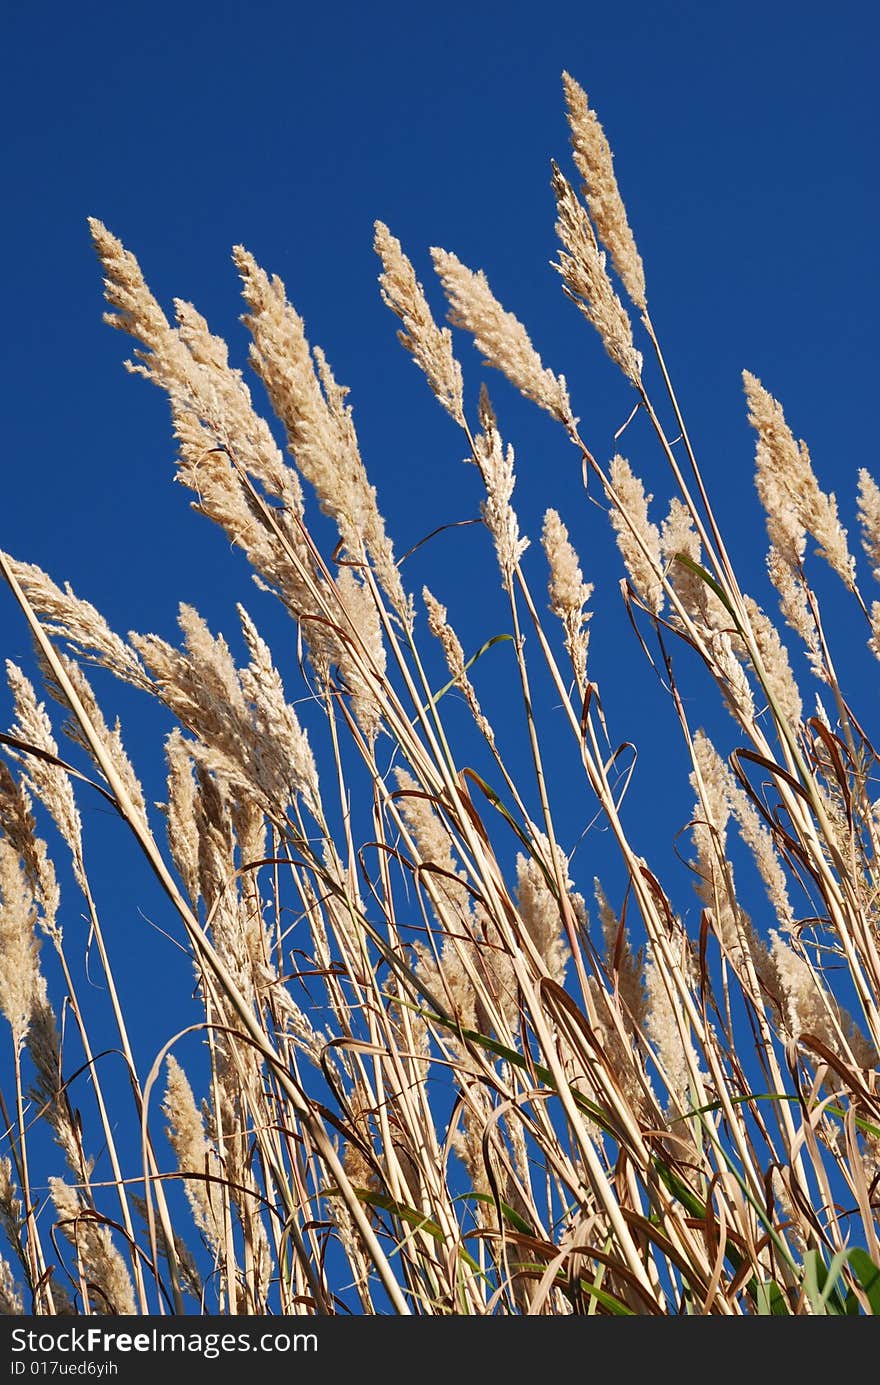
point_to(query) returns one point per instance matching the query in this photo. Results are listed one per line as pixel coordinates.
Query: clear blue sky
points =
(745, 138)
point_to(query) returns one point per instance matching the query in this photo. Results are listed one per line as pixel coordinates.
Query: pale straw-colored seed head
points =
(241, 719)
(874, 641)
(567, 589)
(69, 618)
(789, 1209)
(540, 910)
(296, 1023)
(275, 721)
(730, 674)
(681, 549)
(100, 1264)
(219, 435)
(429, 345)
(568, 592)
(592, 155)
(496, 467)
(136, 311)
(500, 336)
(780, 682)
(11, 1218)
(785, 527)
(788, 489)
(318, 421)
(357, 506)
(795, 607)
(46, 780)
(468, 1143)
(49, 1091)
(360, 650)
(360, 1170)
(434, 845)
(110, 737)
(450, 980)
(709, 781)
(19, 945)
(249, 825)
(10, 1204)
(614, 1030)
(192, 366)
(621, 962)
(869, 518)
(759, 841)
(809, 1008)
(714, 875)
(180, 812)
(17, 821)
(455, 660)
(586, 281)
(826, 528)
(230, 922)
(11, 1302)
(637, 538)
(19, 827)
(667, 1027)
(194, 1152)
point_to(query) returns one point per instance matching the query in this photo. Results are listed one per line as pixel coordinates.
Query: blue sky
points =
(745, 140)
(744, 137)
(745, 143)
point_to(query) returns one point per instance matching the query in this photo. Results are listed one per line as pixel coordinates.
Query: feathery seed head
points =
(582, 266)
(620, 959)
(637, 538)
(19, 946)
(667, 1025)
(429, 345)
(360, 650)
(789, 582)
(568, 592)
(194, 1152)
(774, 656)
(592, 155)
(319, 425)
(19, 826)
(789, 491)
(869, 517)
(11, 1303)
(101, 1265)
(500, 336)
(455, 660)
(540, 910)
(47, 781)
(222, 441)
(496, 467)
